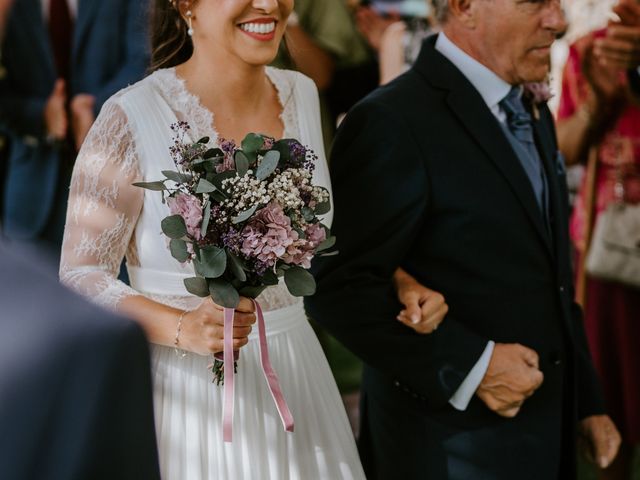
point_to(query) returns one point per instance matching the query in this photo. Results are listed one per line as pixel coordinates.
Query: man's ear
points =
(464, 11)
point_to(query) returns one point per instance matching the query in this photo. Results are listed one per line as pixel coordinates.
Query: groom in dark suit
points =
(452, 172)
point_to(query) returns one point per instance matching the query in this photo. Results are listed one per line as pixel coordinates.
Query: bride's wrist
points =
(178, 345)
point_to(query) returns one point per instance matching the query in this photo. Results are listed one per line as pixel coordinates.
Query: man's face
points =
(516, 37)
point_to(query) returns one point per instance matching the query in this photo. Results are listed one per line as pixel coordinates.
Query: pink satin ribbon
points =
(269, 374)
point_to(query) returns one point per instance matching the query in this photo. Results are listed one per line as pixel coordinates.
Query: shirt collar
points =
(491, 87)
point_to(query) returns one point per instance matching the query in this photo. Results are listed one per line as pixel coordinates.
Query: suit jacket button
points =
(555, 359)
(561, 288)
(396, 383)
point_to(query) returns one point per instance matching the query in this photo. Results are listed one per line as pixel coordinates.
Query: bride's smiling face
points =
(251, 30)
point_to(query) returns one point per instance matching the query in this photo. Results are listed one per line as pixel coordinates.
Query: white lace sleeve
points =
(103, 210)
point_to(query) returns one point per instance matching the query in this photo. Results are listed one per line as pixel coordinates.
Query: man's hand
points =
(607, 82)
(620, 48)
(55, 114)
(372, 25)
(82, 117)
(424, 308)
(512, 377)
(600, 439)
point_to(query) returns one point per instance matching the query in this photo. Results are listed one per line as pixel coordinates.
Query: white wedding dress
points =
(109, 219)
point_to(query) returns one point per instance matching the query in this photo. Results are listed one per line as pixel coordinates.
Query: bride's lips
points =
(262, 29)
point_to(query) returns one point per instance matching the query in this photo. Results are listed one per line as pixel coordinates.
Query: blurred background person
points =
(63, 59)
(75, 383)
(321, 40)
(599, 112)
(395, 30)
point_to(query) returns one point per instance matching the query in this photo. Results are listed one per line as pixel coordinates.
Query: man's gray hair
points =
(441, 8)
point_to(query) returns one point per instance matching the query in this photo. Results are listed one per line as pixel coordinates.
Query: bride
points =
(209, 56)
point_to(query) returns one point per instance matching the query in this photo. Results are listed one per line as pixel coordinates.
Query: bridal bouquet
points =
(243, 215)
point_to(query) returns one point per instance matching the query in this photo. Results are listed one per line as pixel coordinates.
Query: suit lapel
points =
(29, 13)
(546, 149)
(471, 110)
(87, 10)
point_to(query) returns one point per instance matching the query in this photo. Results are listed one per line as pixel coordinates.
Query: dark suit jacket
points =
(424, 178)
(109, 52)
(75, 384)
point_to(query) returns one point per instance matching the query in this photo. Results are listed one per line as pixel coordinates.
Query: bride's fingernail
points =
(603, 462)
(415, 319)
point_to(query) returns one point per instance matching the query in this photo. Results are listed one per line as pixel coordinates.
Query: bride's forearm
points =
(159, 321)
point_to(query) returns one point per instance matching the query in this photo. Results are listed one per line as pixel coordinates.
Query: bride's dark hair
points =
(170, 43)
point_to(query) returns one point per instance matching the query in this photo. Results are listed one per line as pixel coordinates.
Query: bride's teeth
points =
(260, 28)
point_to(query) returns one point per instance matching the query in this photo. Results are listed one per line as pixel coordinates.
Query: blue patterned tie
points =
(520, 125)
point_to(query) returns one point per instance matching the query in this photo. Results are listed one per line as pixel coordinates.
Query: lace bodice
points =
(109, 219)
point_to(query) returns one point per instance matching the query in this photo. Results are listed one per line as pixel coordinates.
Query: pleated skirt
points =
(188, 412)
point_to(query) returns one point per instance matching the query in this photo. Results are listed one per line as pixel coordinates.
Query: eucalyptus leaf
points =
(242, 163)
(223, 293)
(174, 226)
(177, 177)
(308, 214)
(155, 186)
(268, 164)
(203, 140)
(270, 278)
(322, 208)
(205, 186)
(245, 215)
(327, 244)
(252, 143)
(206, 217)
(299, 282)
(179, 250)
(212, 262)
(252, 291)
(197, 286)
(235, 265)
(213, 153)
(218, 196)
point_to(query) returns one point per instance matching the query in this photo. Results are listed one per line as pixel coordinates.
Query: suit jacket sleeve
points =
(136, 53)
(381, 201)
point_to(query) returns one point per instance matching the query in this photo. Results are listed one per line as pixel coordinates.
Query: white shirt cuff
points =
(460, 400)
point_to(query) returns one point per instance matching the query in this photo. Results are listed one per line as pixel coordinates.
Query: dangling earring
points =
(189, 15)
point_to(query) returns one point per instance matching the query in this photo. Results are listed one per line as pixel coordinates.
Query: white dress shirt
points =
(73, 9)
(492, 89)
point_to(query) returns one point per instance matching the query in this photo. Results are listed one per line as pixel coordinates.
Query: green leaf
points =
(299, 282)
(252, 291)
(244, 215)
(206, 217)
(177, 177)
(212, 262)
(174, 226)
(223, 293)
(252, 143)
(205, 187)
(270, 278)
(268, 164)
(242, 163)
(197, 286)
(155, 186)
(203, 140)
(327, 244)
(213, 153)
(322, 208)
(179, 250)
(308, 214)
(235, 265)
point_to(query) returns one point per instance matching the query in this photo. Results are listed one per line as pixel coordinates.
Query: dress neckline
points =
(204, 118)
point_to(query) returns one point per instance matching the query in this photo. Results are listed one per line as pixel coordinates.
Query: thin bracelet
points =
(176, 342)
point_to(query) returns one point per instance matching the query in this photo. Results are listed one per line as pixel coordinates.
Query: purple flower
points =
(316, 234)
(189, 208)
